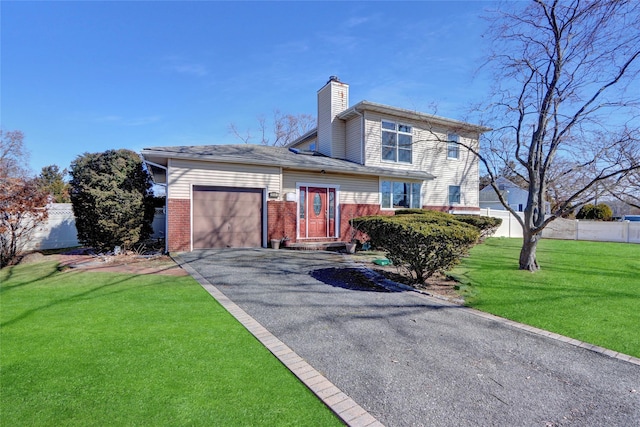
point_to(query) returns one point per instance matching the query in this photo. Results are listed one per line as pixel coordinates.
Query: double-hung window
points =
(396, 142)
(453, 148)
(454, 194)
(396, 194)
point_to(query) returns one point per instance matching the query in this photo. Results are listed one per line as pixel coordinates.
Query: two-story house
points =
(363, 159)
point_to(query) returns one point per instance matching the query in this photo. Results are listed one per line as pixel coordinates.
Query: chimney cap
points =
(333, 79)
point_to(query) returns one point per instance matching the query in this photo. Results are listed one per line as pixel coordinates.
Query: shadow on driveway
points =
(413, 360)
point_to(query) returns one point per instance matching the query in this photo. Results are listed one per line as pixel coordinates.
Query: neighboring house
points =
(515, 196)
(361, 160)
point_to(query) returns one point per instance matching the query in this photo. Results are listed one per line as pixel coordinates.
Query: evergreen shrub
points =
(425, 243)
(112, 199)
(599, 212)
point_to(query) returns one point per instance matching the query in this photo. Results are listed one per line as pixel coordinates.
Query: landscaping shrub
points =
(423, 243)
(112, 199)
(599, 212)
(487, 225)
(414, 211)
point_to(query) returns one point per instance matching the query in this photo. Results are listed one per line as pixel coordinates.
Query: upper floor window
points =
(454, 194)
(453, 148)
(397, 194)
(396, 142)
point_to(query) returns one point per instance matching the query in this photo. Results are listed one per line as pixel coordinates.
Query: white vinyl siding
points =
(324, 121)
(311, 145)
(354, 140)
(333, 99)
(353, 188)
(430, 155)
(373, 144)
(184, 173)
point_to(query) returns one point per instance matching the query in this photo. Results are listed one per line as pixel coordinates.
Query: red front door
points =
(317, 212)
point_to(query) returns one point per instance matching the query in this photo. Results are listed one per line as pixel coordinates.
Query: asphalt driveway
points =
(411, 360)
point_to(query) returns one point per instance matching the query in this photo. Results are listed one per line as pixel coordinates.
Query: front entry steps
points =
(317, 246)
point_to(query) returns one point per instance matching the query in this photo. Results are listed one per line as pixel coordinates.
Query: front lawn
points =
(585, 290)
(82, 348)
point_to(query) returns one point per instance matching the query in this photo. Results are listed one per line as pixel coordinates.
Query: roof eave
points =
(313, 133)
(286, 165)
(409, 114)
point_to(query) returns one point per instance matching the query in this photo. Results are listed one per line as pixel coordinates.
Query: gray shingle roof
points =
(273, 156)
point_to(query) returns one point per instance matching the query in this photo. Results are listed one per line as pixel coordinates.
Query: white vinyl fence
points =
(573, 229)
(510, 226)
(570, 229)
(59, 231)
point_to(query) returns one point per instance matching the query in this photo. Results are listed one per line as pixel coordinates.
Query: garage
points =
(225, 217)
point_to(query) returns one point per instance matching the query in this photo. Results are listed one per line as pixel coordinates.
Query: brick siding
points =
(179, 225)
(452, 208)
(281, 220)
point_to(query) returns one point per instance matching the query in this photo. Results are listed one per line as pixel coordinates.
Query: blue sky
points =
(82, 77)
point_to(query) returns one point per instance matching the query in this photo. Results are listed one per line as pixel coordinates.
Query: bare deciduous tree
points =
(285, 128)
(13, 154)
(564, 107)
(626, 188)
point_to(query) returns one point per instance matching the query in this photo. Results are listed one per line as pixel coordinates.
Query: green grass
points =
(83, 349)
(585, 290)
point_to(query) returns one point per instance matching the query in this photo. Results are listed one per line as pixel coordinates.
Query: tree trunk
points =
(528, 259)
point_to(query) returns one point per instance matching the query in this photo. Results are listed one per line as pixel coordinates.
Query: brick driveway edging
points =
(342, 405)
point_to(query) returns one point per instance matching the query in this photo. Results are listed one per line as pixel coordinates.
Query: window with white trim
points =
(454, 194)
(453, 148)
(397, 194)
(396, 142)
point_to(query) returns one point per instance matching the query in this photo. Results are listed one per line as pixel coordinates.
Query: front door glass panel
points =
(317, 204)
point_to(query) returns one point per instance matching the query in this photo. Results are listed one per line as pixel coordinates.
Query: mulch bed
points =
(438, 285)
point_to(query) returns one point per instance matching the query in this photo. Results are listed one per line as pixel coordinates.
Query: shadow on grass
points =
(56, 269)
(8, 273)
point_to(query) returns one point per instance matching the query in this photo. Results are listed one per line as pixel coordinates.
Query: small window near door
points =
(332, 206)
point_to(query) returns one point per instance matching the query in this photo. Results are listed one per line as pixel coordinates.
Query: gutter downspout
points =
(166, 203)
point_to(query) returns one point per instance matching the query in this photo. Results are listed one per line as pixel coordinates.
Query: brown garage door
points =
(227, 217)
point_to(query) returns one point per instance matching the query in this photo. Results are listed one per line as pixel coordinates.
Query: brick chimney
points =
(333, 99)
